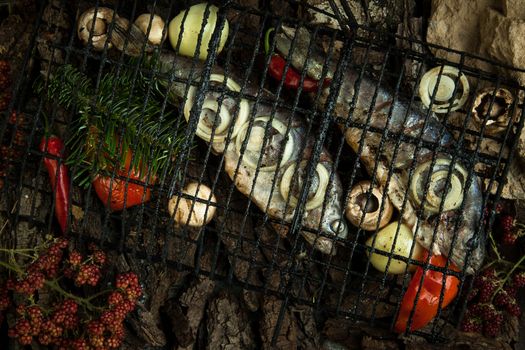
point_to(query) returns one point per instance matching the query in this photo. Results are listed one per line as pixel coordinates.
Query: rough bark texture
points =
(227, 324)
(459, 341)
(411, 28)
(237, 234)
(287, 335)
(185, 320)
(380, 14)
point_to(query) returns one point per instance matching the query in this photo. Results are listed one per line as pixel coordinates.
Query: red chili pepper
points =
(58, 176)
(292, 78)
(428, 302)
(133, 195)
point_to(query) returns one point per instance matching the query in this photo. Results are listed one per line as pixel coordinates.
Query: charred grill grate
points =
(258, 258)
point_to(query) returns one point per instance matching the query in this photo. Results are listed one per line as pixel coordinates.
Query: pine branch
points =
(115, 117)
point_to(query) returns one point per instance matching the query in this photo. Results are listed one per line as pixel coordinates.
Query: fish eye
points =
(338, 227)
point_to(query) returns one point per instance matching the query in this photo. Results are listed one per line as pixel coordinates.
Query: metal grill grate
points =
(259, 259)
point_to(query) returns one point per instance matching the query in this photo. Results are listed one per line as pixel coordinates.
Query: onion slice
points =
(436, 185)
(204, 131)
(444, 98)
(256, 139)
(317, 199)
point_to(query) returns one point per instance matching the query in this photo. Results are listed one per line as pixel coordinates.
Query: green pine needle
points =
(118, 114)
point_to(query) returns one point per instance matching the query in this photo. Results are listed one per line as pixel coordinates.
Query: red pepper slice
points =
(59, 177)
(134, 194)
(428, 302)
(292, 78)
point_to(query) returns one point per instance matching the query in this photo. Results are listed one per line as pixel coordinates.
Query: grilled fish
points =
(260, 149)
(452, 207)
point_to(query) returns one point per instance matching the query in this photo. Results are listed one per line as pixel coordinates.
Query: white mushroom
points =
(156, 26)
(95, 22)
(444, 98)
(437, 185)
(499, 101)
(211, 118)
(366, 214)
(254, 151)
(317, 190)
(190, 212)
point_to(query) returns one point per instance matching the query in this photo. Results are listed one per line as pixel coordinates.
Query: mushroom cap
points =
(374, 216)
(499, 101)
(94, 22)
(191, 212)
(156, 30)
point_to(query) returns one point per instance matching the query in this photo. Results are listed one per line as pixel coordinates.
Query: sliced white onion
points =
(443, 99)
(317, 199)
(440, 170)
(204, 131)
(255, 141)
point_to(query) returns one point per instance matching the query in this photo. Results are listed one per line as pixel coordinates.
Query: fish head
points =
(332, 226)
(323, 216)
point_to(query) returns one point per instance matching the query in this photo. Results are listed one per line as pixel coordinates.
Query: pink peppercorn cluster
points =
(77, 320)
(494, 294)
(490, 300)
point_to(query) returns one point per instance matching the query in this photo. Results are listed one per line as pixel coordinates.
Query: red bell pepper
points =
(58, 176)
(133, 194)
(429, 294)
(292, 78)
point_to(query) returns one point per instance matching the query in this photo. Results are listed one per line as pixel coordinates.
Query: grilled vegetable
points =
(185, 29)
(118, 194)
(391, 241)
(189, 211)
(155, 24)
(94, 28)
(374, 213)
(277, 67)
(292, 78)
(58, 176)
(427, 286)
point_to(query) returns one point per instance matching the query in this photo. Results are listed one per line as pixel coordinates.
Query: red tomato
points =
(428, 302)
(132, 194)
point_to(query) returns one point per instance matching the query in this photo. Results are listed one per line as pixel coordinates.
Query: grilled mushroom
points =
(189, 211)
(366, 214)
(155, 24)
(95, 22)
(437, 185)
(317, 189)
(444, 99)
(125, 36)
(499, 101)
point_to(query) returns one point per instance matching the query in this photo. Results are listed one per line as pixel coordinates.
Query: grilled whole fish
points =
(379, 154)
(260, 150)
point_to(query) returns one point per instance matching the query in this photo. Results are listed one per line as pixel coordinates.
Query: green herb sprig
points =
(118, 114)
